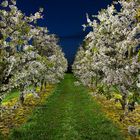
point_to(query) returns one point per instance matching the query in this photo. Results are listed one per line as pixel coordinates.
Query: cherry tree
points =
(14, 36)
(23, 61)
(56, 64)
(114, 49)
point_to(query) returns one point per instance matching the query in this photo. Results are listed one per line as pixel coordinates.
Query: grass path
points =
(68, 114)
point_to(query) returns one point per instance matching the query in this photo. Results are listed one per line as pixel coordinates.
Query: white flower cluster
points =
(110, 54)
(29, 56)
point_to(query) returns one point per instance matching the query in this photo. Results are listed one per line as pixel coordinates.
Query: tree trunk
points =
(124, 97)
(45, 85)
(42, 85)
(0, 101)
(123, 102)
(21, 98)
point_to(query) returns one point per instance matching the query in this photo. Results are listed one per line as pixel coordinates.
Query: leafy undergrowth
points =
(17, 114)
(114, 112)
(68, 114)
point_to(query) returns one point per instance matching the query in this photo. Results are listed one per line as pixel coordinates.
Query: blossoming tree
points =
(21, 63)
(113, 47)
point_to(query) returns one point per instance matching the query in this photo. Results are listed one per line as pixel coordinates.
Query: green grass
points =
(13, 94)
(69, 113)
(1, 136)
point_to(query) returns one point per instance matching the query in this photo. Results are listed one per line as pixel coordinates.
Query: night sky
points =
(65, 19)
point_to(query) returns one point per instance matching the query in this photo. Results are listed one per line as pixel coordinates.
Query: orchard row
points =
(108, 61)
(29, 55)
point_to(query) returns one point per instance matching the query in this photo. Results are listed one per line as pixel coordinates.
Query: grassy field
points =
(68, 114)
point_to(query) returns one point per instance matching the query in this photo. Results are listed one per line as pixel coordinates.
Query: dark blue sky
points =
(65, 18)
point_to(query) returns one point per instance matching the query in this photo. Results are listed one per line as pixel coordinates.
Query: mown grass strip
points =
(69, 114)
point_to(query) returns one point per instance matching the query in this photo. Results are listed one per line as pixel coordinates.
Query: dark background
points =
(65, 19)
